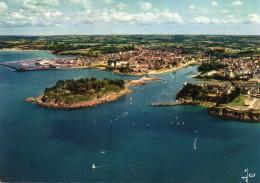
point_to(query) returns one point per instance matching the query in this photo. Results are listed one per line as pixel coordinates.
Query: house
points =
(229, 73)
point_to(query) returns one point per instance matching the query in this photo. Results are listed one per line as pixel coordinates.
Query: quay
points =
(6, 65)
(168, 104)
(182, 103)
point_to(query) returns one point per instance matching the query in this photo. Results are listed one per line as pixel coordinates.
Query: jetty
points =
(168, 104)
(6, 65)
(178, 103)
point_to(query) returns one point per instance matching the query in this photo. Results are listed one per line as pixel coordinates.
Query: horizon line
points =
(130, 34)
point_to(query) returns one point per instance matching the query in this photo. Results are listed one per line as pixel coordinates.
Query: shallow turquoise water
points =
(39, 144)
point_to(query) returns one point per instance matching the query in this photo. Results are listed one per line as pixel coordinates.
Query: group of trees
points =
(65, 90)
(190, 91)
(197, 93)
(116, 49)
(209, 66)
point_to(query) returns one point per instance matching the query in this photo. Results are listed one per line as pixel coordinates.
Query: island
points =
(84, 92)
(232, 101)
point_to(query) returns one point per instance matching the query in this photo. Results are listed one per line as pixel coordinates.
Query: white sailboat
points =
(93, 166)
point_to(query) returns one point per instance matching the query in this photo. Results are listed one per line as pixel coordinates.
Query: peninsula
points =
(85, 92)
(227, 100)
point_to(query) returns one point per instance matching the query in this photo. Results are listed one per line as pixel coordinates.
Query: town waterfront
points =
(128, 140)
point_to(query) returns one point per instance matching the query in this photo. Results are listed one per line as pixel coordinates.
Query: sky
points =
(61, 17)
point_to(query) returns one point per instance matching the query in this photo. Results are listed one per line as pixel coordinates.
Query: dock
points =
(167, 104)
(176, 103)
(6, 65)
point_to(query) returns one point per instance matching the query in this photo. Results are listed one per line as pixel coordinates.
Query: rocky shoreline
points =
(91, 103)
(247, 116)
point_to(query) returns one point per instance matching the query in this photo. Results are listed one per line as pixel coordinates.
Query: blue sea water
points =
(139, 142)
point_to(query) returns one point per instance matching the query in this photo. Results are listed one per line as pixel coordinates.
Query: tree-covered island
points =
(84, 92)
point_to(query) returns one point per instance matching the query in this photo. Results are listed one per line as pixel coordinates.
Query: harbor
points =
(44, 64)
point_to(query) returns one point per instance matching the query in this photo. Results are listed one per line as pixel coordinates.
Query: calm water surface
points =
(138, 142)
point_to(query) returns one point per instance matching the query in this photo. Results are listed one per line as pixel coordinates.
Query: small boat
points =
(93, 166)
(183, 123)
(102, 152)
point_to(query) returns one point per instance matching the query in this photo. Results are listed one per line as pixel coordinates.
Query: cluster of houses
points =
(139, 60)
(57, 63)
(217, 88)
(67, 63)
(251, 90)
(144, 60)
(242, 66)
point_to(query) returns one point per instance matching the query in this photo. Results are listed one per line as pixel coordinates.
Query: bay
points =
(127, 140)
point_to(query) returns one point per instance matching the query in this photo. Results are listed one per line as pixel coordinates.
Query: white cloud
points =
(35, 5)
(29, 18)
(121, 6)
(231, 19)
(107, 1)
(231, 16)
(253, 18)
(204, 20)
(236, 3)
(215, 21)
(112, 16)
(224, 11)
(3, 7)
(146, 6)
(192, 7)
(169, 17)
(200, 20)
(48, 2)
(40, 2)
(214, 3)
(86, 4)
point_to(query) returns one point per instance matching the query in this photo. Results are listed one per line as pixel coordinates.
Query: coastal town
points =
(136, 62)
(228, 82)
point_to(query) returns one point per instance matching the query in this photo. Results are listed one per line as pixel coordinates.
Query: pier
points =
(6, 65)
(167, 104)
(177, 103)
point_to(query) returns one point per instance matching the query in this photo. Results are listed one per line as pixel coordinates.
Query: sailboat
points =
(93, 166)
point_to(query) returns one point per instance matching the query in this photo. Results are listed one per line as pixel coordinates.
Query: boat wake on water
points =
(195, 142)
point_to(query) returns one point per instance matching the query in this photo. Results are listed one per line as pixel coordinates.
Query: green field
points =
(239, 101)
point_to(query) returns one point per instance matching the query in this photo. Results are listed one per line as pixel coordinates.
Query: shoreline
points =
(248, 116)
(175, 68)
(85, 104)
(15, 49)
(162, 71)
